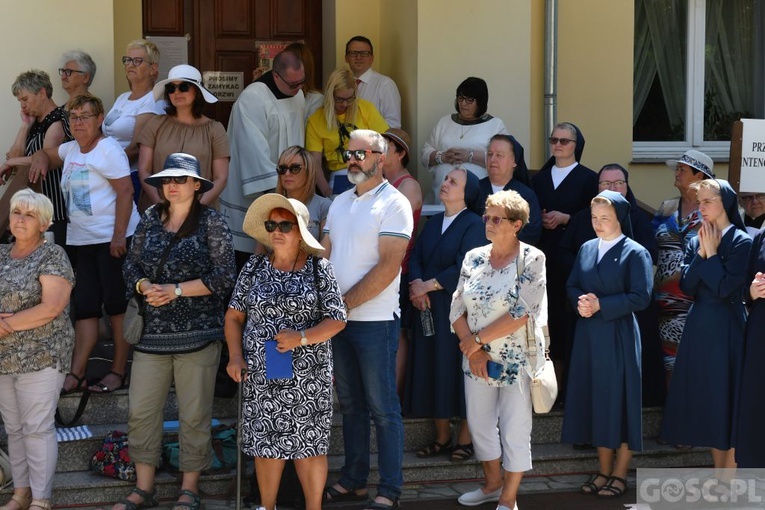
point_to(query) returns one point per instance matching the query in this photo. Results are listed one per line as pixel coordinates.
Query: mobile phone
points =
(494, 369)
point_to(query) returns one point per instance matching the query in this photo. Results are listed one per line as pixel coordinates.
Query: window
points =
(698, 66)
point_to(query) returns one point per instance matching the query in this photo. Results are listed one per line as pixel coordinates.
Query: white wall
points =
(34, 34)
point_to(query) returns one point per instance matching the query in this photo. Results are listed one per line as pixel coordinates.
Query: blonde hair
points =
(152, 52)
(306, 193)
(513, 203)
(38, 203)
(707, 184)
(340, 79)
(598, 200)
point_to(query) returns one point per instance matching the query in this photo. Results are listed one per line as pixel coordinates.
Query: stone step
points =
(75, 455)
(88, 488)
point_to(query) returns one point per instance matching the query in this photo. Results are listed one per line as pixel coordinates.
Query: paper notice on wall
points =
(173, 51)
(753, 156)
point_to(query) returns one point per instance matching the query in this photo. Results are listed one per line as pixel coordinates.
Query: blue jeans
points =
(365, 377)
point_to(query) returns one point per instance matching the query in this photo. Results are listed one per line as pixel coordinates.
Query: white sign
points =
(173, 51)
(753, 156)
(226, 86)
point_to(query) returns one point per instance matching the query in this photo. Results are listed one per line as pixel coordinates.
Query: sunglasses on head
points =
(496, 220)
(283, 226)
(563, 141)
(360, 155)
(182, 87)
(293, 169)
(177, 180)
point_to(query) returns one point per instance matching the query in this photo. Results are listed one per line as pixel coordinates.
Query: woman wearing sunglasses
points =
(564, 187)
(182, 263)
(500, 293)
(285, 308)
(460, 138)
(328, 129)
(183, 129)
(297, 179)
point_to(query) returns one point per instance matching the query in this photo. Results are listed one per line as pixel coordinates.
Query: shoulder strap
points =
(163, 258)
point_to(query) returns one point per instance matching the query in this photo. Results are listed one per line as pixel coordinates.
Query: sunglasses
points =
(495, 220)
(177, 180)
(294, 169)
(563, 141)
(182, 87)
(284, 226)
(63, 71)
(360, 155)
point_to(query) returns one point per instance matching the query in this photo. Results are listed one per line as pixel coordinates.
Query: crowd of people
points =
(291, 238)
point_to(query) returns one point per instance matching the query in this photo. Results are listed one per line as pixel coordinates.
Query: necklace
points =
(463, 131)
(272, 257)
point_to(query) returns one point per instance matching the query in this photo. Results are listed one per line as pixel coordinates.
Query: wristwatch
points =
(178, 290)
(478, 340)
(303, 339)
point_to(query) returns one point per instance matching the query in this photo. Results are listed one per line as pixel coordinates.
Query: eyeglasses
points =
(466, 100)
(284, 226)
(362, 54)
(344, 100)
(64, 71)
(563, 141)
(495, 220)
(608, 184)
(293, 85)
(184, 86)
(81, 118)
(760, 197)
(181, 179)
(134, 61)
(360, 155)
(293, 169)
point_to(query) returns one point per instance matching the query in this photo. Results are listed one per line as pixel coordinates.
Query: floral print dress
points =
(485, 294)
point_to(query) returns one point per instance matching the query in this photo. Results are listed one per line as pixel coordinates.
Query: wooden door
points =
(223, 33)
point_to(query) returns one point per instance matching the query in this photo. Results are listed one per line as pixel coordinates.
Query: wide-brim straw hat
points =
(179, 164)
(187, 73)
(259, 211)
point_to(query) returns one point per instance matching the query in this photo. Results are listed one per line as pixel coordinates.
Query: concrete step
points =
(85, 487)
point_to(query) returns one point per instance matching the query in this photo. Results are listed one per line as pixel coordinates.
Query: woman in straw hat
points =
(183, 325)
(284, 309)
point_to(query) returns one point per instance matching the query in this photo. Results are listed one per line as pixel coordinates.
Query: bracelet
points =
(436, 284)
(439, 161)
(470, 156)
(138, 285)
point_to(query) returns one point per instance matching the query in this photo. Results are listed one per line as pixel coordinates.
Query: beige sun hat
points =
(258, 212)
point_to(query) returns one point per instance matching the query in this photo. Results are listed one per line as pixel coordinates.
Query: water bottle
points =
(426, 318)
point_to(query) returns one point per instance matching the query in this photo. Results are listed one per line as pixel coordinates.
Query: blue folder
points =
(278, 364)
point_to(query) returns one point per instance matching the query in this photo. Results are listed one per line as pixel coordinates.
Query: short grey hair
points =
(33, 80)
(83, 60)
(38, 203)
(373, 138)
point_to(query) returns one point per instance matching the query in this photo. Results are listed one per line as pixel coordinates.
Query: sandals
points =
(82, 385)
(195, 504)
(609, 490)
(24, 502)
(333, 495)
(433, 449)
(148, 500)
(100, 387)
(44, 504)
(374, 505)
(462, 452)
(590, 487)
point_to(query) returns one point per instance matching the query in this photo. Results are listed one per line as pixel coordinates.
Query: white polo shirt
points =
(355, 225)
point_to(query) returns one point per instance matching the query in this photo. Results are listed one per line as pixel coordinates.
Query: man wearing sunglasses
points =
(366, 234)
(267, 118)
(378, 89)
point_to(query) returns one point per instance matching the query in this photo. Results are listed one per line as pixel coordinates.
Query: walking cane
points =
(239, 441)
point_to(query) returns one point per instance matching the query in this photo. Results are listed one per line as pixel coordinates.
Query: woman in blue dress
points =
(702, 391)
(434, 382)
(612, 278)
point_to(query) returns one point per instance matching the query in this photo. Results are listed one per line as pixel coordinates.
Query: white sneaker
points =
(478, 497)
